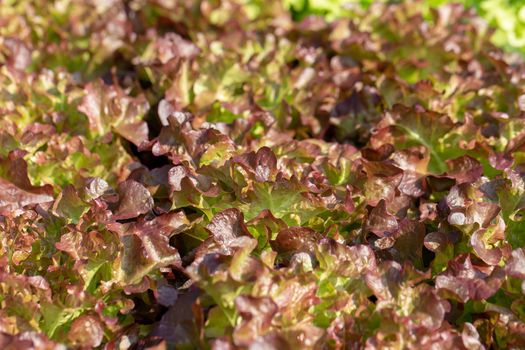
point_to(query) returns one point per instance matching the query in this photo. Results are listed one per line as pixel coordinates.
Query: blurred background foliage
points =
(507, 17)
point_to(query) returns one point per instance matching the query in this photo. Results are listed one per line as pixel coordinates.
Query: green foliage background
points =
(506, 16)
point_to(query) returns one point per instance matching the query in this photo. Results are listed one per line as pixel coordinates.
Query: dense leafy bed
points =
(211, 174)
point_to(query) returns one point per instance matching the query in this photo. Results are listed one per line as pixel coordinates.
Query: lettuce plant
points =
(230, 175)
